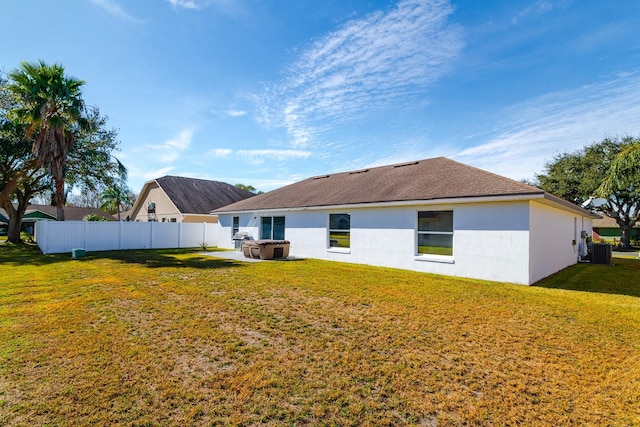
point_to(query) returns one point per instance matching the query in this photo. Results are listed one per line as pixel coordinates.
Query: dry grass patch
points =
(177, 338)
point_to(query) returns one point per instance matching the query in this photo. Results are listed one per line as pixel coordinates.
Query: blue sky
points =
(268, 92)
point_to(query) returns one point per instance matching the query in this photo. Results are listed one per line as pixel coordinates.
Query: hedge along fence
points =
(63, 236)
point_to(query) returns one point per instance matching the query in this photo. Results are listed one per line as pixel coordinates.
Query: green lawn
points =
(176, 338)
(435, 250)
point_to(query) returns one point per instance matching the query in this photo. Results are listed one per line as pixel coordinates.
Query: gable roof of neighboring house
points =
(196, 196)
(608, 222)
(71, 213)
(123, 215)
(423, 180)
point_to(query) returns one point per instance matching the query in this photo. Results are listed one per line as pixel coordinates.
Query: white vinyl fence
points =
(63, 236)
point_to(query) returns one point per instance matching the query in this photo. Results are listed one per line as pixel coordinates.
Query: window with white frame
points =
(236, 226)
(435, 233)
(272, 227)
(340, 230)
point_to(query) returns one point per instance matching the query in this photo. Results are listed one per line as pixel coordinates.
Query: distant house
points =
(124, 215)
(435, 215)
(36, 213)
(180, 199)
(607, 228)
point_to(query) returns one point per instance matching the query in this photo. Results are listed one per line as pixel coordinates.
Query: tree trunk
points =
(15, 221)
(13, 232)
(625, 236)
(59, 198)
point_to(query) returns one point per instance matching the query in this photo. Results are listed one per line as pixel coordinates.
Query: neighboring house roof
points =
(123, 215)
(195, 196)
(608, 222)
(200, 196)
(423, 180)
(71, 213)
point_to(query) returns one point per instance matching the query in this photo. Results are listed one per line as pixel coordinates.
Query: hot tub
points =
(265, 249)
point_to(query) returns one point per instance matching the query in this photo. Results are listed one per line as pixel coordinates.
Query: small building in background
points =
(606, 228)
(180, 199)
(36, 213)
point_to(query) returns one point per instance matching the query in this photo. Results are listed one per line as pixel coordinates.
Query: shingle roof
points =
(200, 196)
(430, 179)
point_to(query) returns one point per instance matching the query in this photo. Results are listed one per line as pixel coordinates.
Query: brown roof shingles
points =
(200, 196)
(430, 179)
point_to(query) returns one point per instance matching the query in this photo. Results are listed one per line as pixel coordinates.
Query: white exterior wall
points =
(555, 239)
(491, 240)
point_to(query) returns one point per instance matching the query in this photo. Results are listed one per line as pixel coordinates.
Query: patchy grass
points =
(621, 278)
(176, 338)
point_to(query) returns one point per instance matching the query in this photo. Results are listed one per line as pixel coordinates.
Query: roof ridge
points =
(191, 179)
(374, 168)
(496, 175)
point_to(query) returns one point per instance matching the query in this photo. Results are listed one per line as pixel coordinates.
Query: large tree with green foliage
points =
(51, 105)
(20, 175)
(605, 169)
(90, 165)
(249, 188)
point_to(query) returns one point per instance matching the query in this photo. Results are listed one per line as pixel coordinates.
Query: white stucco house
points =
(435, 215)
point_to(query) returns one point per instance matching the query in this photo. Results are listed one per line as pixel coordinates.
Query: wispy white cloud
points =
(156, 173)
(114, 9)
(229, 7)
(386, 59)
(220, 152)
(188, 4)
(170, 150)
(230, 112)
(539, 7)
(260, 155)
(532, 133)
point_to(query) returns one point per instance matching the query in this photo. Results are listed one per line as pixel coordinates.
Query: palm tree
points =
(52, 104)
(112, 199)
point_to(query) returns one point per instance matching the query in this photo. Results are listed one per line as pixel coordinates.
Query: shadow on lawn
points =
(152, 258)
(157, 258)
(622, 278)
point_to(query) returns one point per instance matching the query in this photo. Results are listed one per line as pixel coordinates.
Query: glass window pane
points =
(339, 221)
(265, 229)
(435, 221)
(278, 228)
(340, 239)
(435, 244)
